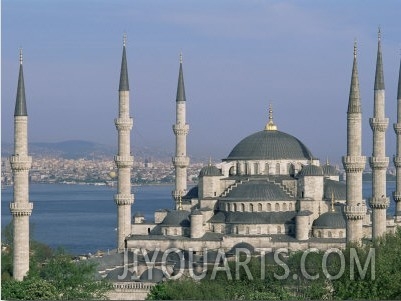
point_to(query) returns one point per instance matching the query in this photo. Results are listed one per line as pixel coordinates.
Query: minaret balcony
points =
(355, 212)
(397, 128)
(378, 162)
(21, 209)
(181, 161)
(124, 124)
(354, 164)
(397, 161)
(378, 124)
(379, 202)
(124, 161)
(124, 199)
(181, 129)
(397, 196)
(20, 162)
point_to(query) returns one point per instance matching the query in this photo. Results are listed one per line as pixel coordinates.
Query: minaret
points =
(354, 162)
(181, 129)
(124, 160)
(397, 158)
(21, 163)
(379, 162)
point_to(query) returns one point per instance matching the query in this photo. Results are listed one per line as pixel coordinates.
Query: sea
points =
(82, 219)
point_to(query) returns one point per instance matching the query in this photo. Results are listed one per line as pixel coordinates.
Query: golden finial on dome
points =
(270, 126)
(179, 201)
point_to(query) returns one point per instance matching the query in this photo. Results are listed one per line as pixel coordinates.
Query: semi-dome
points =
(330, 220)
(270, 145)
(330, 170)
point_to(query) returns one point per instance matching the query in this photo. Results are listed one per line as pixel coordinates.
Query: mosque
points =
(269, 192)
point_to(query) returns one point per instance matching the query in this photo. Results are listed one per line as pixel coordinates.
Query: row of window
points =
(259, 207)
(270, 229)
(255, 168)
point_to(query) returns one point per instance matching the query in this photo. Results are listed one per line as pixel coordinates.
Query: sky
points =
(238, 57)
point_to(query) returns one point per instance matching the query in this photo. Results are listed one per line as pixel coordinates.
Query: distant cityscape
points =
(52, 170)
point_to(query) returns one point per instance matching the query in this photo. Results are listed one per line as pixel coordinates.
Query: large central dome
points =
(270, 145)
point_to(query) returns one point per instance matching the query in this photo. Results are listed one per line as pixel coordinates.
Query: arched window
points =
(242, 208)
(213, 228)
(291, 169)
(228, 207)
(277, 168)
(234, 207)
(223, 229)
(266, 168)
(329, 234)
(236, 229)
(278, 229)
(290, 206)
(165, 232)
(284, 206)
(175, 232)
(232, 171)
(247, 230)
(247, 169)
(251, 207)
(269, 207)
(256, 168)
(277, 207)
(259, 207)
(258, 231)
(319, 234)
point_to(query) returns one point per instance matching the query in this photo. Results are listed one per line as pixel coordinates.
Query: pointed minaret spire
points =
(397, 157)
(180, 87)
(21, 163)
(124, 85)
(354, 103)
(124, 160)
(20, 104)
(354, 162)
(379, 202)
(399, 86)
(379, 78)
(180, 129)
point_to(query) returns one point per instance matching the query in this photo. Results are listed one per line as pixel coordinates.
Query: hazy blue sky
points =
(238, 57)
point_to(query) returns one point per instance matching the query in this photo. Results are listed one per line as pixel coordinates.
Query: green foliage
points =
(377, 277)
(52, 276)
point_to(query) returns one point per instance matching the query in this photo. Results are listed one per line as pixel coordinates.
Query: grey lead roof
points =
(334, 189)
(330, 220)
(311, 170)
(354, 103)
(180, 87)
(269, 145)
(379, 78)
(210, 171)
(124, 85)
(177, 218)
(20, 104)
(257, 190)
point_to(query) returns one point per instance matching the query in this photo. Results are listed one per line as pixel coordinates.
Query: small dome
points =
(269, 145)
(330, 220)
(210, 171)
(330, 170)
(311, 170)
(177, 218)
